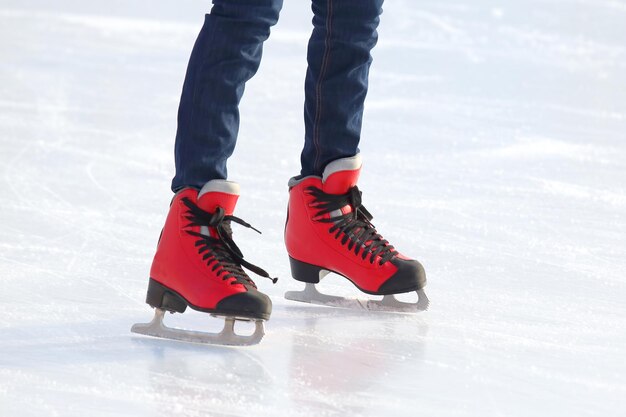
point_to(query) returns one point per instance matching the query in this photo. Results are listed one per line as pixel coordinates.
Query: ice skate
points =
(329, 230)
(198, 265)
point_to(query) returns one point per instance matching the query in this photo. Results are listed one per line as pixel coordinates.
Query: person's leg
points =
(328, 229)
(197, 264)
(337, 77)
(227, 53)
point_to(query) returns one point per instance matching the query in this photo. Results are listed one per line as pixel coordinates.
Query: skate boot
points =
(329, 230)
(197, 264)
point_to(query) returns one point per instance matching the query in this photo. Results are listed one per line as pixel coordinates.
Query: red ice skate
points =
(329, 230)
(197, 264)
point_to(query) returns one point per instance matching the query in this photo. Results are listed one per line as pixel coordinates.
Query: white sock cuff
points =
(220, 186)
(343, 164)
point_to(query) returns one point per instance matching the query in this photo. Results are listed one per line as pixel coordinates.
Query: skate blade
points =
(389, 303)
(227, 336)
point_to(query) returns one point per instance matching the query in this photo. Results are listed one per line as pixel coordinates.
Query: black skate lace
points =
(354, 228)
(222, 253)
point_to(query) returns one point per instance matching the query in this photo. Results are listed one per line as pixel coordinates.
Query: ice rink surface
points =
(494, 148)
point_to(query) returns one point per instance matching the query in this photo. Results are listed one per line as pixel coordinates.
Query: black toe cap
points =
(410, 276)
(252, 304)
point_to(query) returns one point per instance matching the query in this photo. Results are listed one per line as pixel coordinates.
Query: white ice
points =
(494, 148)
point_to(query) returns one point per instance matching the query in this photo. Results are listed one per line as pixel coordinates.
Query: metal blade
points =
(227, 336)
(389, 303)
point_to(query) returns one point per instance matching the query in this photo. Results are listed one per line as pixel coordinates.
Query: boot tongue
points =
(219, 193)
(341, 175)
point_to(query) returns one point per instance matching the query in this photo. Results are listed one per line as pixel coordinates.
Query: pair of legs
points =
(228, 52)
(197, 263)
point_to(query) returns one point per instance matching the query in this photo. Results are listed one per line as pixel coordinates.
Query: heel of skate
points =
(159, 296)
(304, 272)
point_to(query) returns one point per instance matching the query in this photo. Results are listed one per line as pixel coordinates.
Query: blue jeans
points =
(228, 52)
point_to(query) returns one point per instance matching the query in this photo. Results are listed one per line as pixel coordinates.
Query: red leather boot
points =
(197, 264)
(329, 230)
